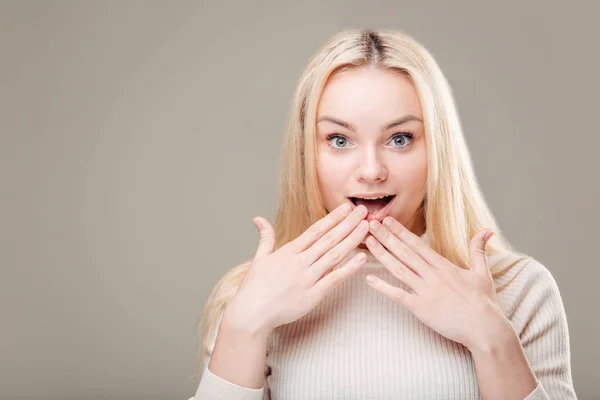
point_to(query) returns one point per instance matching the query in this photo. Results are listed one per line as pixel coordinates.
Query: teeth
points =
(372, 198)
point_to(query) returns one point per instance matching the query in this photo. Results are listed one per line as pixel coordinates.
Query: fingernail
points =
(374, 225)
(362, 210)
(387, 221)
(370, 279)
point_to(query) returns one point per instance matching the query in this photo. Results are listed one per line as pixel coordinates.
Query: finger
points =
(318, 229)
(400, 249)
(337, 276)
(395, 293)
(415, 243)
(392, 264)
(266, 242)
(334, 236)
(477, 251)
(334, 256)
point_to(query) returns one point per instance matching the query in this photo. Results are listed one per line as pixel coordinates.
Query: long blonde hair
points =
(454, 206)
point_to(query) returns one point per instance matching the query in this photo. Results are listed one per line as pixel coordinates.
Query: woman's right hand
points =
(283, 285)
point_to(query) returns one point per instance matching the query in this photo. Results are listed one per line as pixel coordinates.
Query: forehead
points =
(372, 93)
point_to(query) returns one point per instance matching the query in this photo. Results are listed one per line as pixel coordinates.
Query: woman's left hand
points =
(459, 304)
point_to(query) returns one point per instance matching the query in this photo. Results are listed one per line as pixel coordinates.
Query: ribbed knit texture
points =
(359, 344)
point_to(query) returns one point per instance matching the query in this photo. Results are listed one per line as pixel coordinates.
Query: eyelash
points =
(410, 136)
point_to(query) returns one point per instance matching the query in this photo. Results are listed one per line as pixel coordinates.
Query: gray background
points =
(139, 138)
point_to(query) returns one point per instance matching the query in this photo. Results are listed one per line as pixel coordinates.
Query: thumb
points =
(266, 242)
(477, 251)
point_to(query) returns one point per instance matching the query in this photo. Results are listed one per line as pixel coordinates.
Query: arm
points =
(535, 364)
(235, 367)
(501, 366)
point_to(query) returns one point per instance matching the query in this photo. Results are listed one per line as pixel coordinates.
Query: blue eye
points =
(406, 136)
(337, 141)
(340, 142)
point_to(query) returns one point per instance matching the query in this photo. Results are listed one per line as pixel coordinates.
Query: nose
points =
(371, 168)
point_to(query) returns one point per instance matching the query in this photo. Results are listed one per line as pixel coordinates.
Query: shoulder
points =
(527, 290)
(518, 272)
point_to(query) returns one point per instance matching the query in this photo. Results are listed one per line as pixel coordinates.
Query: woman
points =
(377, 182)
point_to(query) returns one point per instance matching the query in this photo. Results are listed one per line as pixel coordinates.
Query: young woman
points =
(377, 182)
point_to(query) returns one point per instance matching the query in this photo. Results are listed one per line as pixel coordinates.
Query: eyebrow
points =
(392, 124)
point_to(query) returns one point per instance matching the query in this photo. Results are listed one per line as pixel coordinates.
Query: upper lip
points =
(366, 195)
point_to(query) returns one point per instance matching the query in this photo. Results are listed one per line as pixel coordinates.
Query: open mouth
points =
(378, 208)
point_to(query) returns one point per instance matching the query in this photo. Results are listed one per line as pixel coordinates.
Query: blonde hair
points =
(454, 206)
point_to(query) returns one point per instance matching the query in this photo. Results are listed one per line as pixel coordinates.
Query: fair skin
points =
(459, 304)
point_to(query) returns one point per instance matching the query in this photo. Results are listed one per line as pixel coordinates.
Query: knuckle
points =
(418, 245)
(329, 239)
(401, 271)
(303, 258)
(399, 296)
(406, 252)
(264, 239)
(316, 232)
(332, 219)
(335, 256)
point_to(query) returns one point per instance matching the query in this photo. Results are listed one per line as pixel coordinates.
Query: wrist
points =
(496, 332)
(242, 322)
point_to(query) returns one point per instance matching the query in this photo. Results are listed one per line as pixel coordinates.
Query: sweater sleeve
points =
(213, 387)
(542, 325)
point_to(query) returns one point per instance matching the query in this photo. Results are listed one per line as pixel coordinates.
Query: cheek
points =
(333, 176)
(409, 175)
(410, 172)
(409, 178)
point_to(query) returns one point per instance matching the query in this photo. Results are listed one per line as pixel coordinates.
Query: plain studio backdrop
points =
(139, 138)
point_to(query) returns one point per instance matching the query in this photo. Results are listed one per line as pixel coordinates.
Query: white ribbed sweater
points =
(358, 344)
